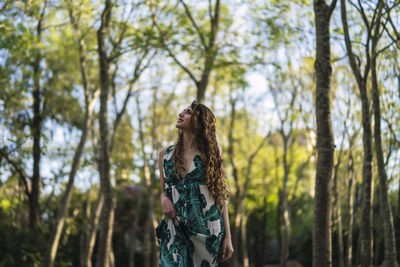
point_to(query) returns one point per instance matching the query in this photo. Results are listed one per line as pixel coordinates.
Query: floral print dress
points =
(194, 238)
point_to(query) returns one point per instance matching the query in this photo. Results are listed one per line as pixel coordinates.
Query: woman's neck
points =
(188, 141)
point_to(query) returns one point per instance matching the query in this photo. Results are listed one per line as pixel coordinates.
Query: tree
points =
(373, 34)
(322, 251)
(108, 82)
(389, 235)
(287, 117)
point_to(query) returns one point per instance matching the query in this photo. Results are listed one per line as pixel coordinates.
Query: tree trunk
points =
(150, 223)
(86, 260)
(322, 250)
(107, 216)
(244, 242)
(284, 252)
(84, 229)
(337, 215)
(241, 191)
(36, 128)
(366, 217)
(210, 53)
(34, 214)
(133, 232)
(62, 210)
(340, 233)
(278, 208)
(61, 213)
(209, 45)
(352, 183)
(389, 235)
(236, 222)
(378, 238)
(337, 211)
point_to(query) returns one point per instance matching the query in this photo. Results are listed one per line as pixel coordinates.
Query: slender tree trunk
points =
(263, 232)
(378, 238)
(322, 250)
(134, 231)
(241, 190)
(352, 183)
(112, 258)
(36, 128)
(62, 211)
(284, 252)
(361, 79)
(389, 235)
(54, 240)
(278, 208)
(340, 233)
(84, 230)
(91, 236)
(210, 54)
(337, 214)
(107, 216)
(34, 214)
(236, 223)
(244, 242)
(337, 211)
(151, 222)
(151, 180)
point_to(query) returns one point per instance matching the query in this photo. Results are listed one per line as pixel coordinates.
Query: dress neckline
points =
(191, 164)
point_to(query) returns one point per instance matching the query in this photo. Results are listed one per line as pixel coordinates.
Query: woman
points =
(195, 228)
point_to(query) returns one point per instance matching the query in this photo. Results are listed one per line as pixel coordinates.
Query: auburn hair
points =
(203, 128)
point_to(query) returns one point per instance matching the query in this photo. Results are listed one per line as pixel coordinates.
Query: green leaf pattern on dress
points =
(194, 238)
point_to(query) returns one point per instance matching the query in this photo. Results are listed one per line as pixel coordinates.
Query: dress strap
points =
(169, 152)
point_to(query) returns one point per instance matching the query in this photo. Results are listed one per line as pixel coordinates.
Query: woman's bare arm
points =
(166, 204)
(161, 169)
(225, 215)
(227, 248)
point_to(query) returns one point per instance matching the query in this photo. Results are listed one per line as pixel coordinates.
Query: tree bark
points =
(389, 235)
(361, 79)
(36, 127)
(337, 212)
(351, 187)
(107, 216)
(322, 250)
(86, 258)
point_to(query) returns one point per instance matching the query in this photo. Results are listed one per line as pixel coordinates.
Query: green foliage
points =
(271, 38)
(19, 246)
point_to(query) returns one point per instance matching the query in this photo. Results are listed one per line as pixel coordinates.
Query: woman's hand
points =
(167, 207)
(227, 249)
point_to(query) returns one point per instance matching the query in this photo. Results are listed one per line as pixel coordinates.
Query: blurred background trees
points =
(90, 92)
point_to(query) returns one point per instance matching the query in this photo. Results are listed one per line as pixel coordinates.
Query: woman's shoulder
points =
(167, 151)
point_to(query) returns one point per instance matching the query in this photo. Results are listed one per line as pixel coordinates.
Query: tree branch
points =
(18, 169)
(352, 58)
(172, 54)
(203, 42)
(332, 7)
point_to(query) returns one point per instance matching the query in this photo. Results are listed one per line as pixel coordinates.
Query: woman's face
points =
(184, 118)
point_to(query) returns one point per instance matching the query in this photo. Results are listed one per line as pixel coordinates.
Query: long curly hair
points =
(203, 127)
